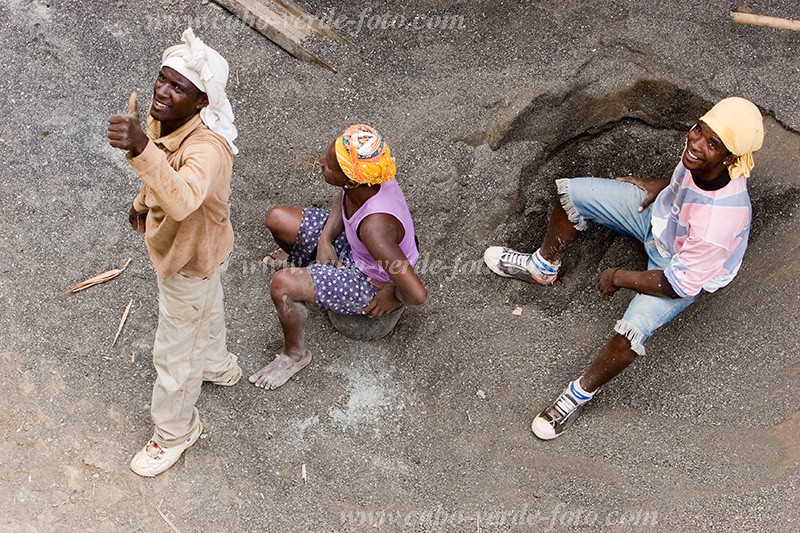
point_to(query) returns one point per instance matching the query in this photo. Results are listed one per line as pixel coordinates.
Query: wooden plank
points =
(314, 22)
(279, 24)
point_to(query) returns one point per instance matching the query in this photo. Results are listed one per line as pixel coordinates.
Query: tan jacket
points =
(186, 193)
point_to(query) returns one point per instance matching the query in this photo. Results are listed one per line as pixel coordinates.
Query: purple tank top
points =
(389, 200)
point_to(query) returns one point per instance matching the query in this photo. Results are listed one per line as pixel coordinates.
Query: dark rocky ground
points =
(699, 435)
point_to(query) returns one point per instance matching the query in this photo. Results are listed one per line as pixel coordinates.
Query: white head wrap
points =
(208, 71)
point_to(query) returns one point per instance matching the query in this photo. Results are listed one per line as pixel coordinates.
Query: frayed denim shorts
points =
(614, 204)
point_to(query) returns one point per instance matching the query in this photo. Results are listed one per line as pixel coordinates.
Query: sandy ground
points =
(427, 429)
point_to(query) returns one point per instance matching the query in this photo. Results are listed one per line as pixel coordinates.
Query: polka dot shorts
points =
(342, 290)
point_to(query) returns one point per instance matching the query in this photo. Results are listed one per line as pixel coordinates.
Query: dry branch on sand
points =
(122, 321)
(99, 278)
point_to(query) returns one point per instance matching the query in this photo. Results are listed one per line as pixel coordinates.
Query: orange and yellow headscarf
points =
(364, 156)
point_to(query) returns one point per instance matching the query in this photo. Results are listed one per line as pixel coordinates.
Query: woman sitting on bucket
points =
(357, 258)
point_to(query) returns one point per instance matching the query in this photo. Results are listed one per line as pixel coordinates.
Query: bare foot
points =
(279, 371)
(277, 259)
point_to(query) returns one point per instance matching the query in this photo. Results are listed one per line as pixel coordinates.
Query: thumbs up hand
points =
(133, 110)
(125, 131)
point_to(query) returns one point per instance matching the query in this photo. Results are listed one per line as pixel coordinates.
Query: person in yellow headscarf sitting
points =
(694, 227)
(356, 258)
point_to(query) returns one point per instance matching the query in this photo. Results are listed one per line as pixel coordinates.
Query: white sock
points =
(578, 392)
(543, 265)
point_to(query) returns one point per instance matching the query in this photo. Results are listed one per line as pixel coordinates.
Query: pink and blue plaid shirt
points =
(704, 232)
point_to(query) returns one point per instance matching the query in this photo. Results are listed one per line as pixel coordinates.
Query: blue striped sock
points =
(543, 265)
(578, 393)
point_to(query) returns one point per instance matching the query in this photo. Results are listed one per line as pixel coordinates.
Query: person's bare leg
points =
(290, 290)
(613, 358)
(283, 221)
(556, 418)
(560, 234)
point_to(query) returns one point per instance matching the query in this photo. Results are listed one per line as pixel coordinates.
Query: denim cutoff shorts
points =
(614, 204)
(345, 290)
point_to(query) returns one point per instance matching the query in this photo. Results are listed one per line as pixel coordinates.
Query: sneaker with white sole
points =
(153, 459)
(509, 263)
(557, 417)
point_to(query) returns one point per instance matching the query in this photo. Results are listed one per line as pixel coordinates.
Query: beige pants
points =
(190, 348)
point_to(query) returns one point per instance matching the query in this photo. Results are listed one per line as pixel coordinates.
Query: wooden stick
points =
(764, 21)
(167, 520)
(122, 322)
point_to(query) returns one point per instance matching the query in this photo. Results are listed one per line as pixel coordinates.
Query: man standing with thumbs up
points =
(184, 161)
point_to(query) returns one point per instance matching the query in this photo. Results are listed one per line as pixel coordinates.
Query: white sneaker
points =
(153, 459)
(557, 417)
(526, 267)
